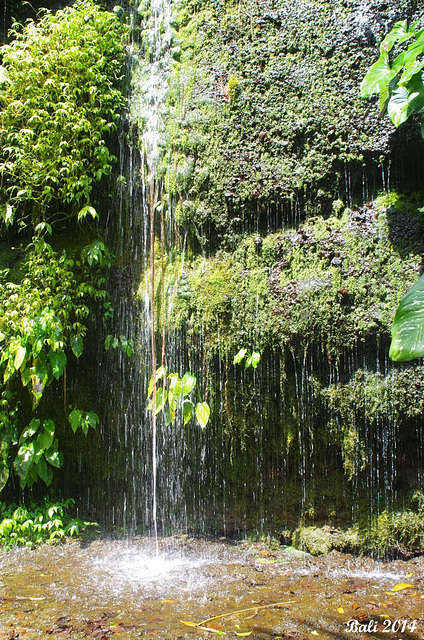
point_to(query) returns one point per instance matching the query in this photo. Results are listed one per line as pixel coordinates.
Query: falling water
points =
(270, 446)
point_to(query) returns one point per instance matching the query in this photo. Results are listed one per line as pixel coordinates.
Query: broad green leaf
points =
(46, 437)
(187, 411)
(87, 211)
(31, 430)
(408, 325)
(398, 34)
(24, 458)
(53, 456)
(161, 397)
(239, 357)
(188, 383)
(77, 344)
(26, 376)
(19, 357)
(92, 419)
(44, 472)
(202, 413)
(379, 74)
(256, 357)
(248, 362)
(58, 362)
(75, 419)
(397, 108)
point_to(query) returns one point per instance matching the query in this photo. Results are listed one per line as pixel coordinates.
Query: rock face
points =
(274, 162)
(265, 120)
(271, 167)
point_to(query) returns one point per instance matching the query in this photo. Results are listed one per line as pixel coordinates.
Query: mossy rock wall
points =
(272, 164)
(265, 123)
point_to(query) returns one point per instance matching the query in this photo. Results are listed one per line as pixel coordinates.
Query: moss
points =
(275, 121)
(390, 533)
(314, 540)
(333, 282)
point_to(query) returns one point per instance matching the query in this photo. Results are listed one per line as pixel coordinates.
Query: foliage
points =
(120, 342)
(58, 104)
(400, 84)
(43, 321)
(390, 532)
(252, 360)
(45, 522)
(408, 325)
(173, 394)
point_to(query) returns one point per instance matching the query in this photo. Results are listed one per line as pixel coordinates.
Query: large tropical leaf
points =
(380, 74)
(408, 325)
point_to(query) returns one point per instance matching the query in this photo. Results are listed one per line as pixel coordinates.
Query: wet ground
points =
(203, 589)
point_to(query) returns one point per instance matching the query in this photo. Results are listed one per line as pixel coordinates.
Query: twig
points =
(233, 613)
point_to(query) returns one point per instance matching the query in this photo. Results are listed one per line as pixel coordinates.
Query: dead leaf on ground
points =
(402, 585)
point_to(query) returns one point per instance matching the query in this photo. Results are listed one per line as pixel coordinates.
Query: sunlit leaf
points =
(398, 106)
(188, 383)
(243, 634)
(255, 359)
(340, 609)
(75, 419)
(379, 74)
(187, 411)
(408, 325)
(239, 357)
(202, 413)
(19, 357)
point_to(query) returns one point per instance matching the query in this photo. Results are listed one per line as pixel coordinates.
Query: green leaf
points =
(77, 344)
(188, 382)
(19, 357)
(31, 430)
(92, 419)
(58, 362)
(46, 437)
(44, 472)
(378, 75)
(408, 325)
(161, 397)
(75, 419)
(187, 411)
(239, 357)
(256, 357)
(202, 413)
(87, 211)
(53, 456)
(25, 376)
(23, 459)
(398, 34)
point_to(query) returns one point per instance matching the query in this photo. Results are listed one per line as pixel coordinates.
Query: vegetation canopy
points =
(59, 101)
(400, 85)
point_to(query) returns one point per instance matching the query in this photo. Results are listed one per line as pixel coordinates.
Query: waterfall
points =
(281, 443)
